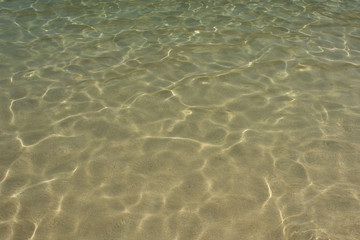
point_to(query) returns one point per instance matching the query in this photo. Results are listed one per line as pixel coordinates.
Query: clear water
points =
(180, 120)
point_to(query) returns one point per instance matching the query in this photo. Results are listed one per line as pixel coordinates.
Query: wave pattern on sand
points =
(180, 120)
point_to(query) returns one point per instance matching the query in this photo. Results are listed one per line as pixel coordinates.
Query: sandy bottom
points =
(179, 120)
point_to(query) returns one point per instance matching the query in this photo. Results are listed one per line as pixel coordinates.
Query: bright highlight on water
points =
(180, 120)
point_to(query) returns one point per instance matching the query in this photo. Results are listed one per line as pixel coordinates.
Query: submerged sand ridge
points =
(179, 120)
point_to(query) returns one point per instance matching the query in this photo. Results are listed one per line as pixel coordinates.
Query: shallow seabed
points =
(184, 120)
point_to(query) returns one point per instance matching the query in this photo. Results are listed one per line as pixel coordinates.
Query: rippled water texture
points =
(184, 120)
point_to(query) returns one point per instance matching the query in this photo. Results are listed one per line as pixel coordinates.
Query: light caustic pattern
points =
(184, 120)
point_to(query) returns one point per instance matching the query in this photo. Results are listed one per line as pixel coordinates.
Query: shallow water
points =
(180, 120)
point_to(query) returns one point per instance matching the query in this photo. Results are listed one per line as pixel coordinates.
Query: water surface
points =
(180, 120)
